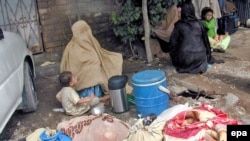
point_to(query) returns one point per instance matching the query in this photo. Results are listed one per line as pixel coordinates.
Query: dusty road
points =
(233, 77)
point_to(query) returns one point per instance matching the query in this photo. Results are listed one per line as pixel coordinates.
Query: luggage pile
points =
(229, 21)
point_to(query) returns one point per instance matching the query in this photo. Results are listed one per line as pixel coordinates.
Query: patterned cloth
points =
(94, 128)
(207, 118)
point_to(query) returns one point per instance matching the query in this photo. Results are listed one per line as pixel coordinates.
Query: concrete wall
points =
(57, 16)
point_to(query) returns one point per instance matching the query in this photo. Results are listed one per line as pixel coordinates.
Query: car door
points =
(11, 76)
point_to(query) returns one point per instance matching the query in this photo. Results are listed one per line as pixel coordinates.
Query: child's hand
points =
(92, 95)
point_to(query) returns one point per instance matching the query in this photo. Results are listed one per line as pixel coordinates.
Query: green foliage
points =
(129, 23)
(157, 10)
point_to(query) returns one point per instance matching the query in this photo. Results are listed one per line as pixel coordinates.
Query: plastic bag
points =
(58, 136)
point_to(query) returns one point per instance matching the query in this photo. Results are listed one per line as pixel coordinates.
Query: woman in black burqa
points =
(190, 49)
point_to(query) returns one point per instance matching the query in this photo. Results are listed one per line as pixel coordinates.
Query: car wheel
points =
(29, 93)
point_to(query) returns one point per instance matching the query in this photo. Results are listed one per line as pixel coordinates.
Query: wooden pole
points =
(147, 30)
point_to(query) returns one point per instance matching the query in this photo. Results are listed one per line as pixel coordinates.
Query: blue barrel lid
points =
(148, 76)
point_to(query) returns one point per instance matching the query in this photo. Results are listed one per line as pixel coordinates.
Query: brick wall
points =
(57, 16)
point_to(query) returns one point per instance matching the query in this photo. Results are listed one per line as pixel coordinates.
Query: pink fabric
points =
(174, 127)
(95, 128)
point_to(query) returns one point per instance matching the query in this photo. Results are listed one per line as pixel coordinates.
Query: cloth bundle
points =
(200, 124)
(153, 132)
(95, 128)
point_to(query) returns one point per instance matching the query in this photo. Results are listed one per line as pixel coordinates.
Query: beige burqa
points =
(86, 59)
(164, 30)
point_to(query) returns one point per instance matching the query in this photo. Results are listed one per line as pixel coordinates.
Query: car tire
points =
(29, 93)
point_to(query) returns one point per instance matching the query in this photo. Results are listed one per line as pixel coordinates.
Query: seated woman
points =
(190, 50)
(218, 38)
(91, 64)
(164, 30)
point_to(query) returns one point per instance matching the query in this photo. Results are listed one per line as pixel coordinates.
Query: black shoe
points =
(219, 61)
(212, 60)
(219, 50)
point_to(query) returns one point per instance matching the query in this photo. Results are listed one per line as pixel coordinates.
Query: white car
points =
(17, 73)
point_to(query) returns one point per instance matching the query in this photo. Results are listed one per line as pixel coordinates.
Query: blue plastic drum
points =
(148, 97)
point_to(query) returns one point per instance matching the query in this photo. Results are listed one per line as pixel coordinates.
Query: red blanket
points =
(189, 123)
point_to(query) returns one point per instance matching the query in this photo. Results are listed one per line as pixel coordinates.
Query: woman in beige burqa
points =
(89, 62)
(164, 30)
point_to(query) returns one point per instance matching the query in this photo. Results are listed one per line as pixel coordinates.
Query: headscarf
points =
(86, 59)
(188, 12)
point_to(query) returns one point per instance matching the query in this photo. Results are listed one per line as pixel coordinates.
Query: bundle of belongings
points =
(102, 127)
(229, 21)
(178, 123)
(182, 123)
(153, 131)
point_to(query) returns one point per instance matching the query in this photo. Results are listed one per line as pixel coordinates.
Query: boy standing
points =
(71, 102)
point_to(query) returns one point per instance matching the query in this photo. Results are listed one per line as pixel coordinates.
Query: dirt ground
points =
(228, 85)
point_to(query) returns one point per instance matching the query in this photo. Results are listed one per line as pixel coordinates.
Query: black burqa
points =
(190, 49)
